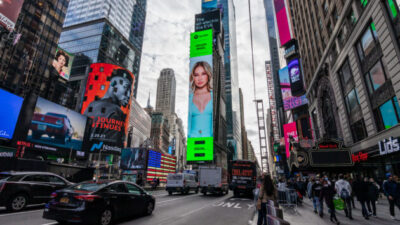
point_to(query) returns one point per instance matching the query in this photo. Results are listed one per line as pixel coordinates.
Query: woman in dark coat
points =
(360, 188)
(373, 193)
(327, 193)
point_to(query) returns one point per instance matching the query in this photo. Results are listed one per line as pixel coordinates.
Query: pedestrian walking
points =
(327, 193)
(360, 189)
(373, 193)
(343, 188)
(316, 191)
(267, 192)
(392, 192)
(352, 194)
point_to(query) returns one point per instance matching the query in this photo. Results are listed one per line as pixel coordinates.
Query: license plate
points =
(42, 127)
(64, 200)
(46, 209)
(242, 187)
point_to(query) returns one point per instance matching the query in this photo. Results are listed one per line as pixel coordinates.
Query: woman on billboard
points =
(60, 63)
(200, 101)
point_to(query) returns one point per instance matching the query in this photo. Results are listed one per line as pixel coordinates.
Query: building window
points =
(388, 114)
(352, 100)
(345, 73)
(358, 130)
(364, 3)
(368, 41)
(375, 77)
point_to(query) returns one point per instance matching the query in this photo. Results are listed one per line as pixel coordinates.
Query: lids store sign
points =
(388, 146)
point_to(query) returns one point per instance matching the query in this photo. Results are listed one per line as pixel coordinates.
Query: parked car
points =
(98, 202)
(19, 189)
(57, 126)
(181, 182)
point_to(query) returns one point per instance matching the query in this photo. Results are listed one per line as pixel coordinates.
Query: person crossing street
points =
(343, 188)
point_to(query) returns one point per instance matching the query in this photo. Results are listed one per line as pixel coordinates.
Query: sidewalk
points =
(305, 215)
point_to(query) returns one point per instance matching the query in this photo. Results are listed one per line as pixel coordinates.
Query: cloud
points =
(166, 45)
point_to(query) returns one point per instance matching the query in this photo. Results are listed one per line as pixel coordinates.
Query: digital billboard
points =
(208, 4)
(200, 119)
(289, 101)
(208, 20)
(62, 63)
(9, 111)
(133, 159)
(296, 79)
(107, 101)
(56, 126)
(289, 130)
(282, 21)
(9, 12)
(160, 165)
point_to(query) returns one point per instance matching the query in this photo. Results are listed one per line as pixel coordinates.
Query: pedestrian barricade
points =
(273, 211)
(272, 220)
(288, 198)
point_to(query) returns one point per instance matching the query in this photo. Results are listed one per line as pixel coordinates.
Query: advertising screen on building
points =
(9, 111)
(282, 21)
(9, 12)
(289, 102)
(56, 126)
(200, 120)
(107, 101)
(160, 165)
(296, 79)
(289, 130)
(208, 4)
(208, 20)
(133, 159)
(62, 63)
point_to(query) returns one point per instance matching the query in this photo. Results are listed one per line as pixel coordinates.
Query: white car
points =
(182, 183)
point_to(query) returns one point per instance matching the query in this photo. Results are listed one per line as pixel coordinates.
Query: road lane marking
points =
(50, 223)
(18, 213)
(176, 199)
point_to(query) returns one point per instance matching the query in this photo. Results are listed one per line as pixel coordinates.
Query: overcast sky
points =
(166, 45)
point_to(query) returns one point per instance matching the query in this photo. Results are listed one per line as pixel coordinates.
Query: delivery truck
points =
(213, 180)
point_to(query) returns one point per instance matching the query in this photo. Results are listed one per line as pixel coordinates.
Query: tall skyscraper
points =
(103, 31)
(166, 92)
(27, 52)
(234, 136)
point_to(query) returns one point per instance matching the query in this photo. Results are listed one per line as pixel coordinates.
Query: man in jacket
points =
(316, 191)
(360, 189)
(343, 189)
(392, 192)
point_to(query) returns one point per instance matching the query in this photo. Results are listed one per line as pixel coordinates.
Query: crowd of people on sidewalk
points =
(337, 193)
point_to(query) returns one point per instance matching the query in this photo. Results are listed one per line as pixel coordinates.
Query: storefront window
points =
(388, 114)
(358, 130)
(375, 77)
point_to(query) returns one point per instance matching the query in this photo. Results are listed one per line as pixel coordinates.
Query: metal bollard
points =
(273, 211)
(272, 220)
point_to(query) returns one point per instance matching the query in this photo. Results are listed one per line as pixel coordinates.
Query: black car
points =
(18, 189)
(98, 202)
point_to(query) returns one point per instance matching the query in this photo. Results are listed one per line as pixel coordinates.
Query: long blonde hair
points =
(208, 70)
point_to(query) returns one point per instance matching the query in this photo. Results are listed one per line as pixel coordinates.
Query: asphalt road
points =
(194, 209)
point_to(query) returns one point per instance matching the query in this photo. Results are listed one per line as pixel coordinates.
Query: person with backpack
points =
(343, 188)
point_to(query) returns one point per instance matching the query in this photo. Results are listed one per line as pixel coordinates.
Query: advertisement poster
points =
(62, 63)
(107, 101)
(200, 119)
(160, 165)
(208, 5)
(289, 102)
(296, 79)
(282, 21)
(133, 159)
(9, 111)
(289, 130)
(56, 126)
(209, 20)
(9, 12)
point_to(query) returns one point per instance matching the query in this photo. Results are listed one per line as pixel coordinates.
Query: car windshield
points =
(4, 176)
(88, 186)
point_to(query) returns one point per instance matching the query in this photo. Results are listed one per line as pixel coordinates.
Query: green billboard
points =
(200, 140)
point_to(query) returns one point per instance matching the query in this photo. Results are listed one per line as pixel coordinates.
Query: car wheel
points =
(169, 192)
(106, 217)
(17, 202)
(149, 208)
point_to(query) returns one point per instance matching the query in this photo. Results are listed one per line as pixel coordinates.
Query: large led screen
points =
(282, 21)
(289, 130)
(208, 4)
(289, 101)
(9, 12)
(296, 79)
(62, 63)
(200, 120)
(56, 126)
(107, 101)
(133, 159)
(9, 112)
(160, 165)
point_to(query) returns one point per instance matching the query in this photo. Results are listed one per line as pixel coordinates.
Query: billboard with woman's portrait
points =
(62, 63)
(200, 120)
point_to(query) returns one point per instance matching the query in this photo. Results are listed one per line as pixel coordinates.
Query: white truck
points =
(213, 180)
